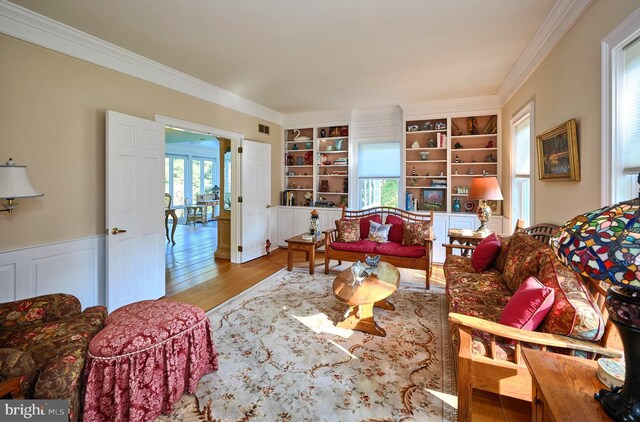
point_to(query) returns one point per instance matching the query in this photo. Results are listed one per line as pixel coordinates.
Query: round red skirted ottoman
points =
(146, 357)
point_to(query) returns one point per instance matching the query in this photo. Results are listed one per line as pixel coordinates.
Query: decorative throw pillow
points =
(415, 234)
(379, 232)
(528, 306)
(365, 224)
(395, 234)
(485, 253)
(348, 230)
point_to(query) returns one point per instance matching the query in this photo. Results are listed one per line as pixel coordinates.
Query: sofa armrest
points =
(545, 340)
(330, 236)
(38, 310)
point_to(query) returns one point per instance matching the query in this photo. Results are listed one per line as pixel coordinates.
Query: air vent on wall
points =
(263, 129)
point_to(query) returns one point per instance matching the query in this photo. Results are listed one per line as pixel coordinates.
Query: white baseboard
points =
(75, 267)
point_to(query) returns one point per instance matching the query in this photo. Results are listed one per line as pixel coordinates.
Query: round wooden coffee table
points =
(373, 291)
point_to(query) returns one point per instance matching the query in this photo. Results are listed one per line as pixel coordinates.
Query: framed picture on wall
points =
(433, 199)
(557, 149)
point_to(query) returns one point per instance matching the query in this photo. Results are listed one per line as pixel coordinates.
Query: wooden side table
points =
(297, 243)
(467, 238)
(563, 388)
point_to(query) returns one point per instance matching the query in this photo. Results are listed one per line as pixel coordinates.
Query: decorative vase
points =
(424, 155)
(323, 133)
(338, 144)
(456, 205)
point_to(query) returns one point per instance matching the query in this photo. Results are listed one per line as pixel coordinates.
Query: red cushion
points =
(396, 249)
(528, 306)
(395, 234)
(366, 246)
(365, 224)
(485, 253)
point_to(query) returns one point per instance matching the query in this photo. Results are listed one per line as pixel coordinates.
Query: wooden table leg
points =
(289, 258)
(361, 318)
(174, 217)
(385, 304)
(312, 259)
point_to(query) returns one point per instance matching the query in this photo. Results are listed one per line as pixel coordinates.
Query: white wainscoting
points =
(75, 267)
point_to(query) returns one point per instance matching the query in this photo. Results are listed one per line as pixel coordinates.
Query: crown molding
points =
(450, 106)
(562, 16)
(27, 25)
(317, 118)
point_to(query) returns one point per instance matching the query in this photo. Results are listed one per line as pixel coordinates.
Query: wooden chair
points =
(543, 232)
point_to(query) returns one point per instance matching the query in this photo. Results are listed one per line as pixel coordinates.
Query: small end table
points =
(297, 243)
(467, 238)
(563, 388)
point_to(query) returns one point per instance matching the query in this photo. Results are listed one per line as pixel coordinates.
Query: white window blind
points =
(380, 159)
(631, 108)
(522, 165)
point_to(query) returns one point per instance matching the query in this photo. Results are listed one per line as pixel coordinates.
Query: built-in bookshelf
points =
(332, 165)
(443, 155)
(316, 166)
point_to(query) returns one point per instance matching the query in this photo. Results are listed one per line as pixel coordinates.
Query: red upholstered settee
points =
(393, 251)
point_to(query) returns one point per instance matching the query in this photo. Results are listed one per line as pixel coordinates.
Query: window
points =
(378, 174)
(202, 175)
(175, 180)
(521, 145)
(621, 111)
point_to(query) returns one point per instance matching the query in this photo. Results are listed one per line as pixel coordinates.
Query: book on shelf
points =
(411, 202)
(441, 140)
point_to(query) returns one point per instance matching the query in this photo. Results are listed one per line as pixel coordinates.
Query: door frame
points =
(236, 142)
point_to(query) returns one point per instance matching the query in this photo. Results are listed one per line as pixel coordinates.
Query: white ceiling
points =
(297, 56)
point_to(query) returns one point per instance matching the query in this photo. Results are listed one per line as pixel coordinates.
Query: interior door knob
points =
(116, 230)
(268, 205)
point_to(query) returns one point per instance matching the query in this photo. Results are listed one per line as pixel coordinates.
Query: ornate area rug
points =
(282, 358)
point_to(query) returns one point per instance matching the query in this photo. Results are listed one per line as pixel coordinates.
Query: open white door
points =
(256, 197)
(134, 210)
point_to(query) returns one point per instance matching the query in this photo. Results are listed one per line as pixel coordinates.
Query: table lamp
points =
(484, 189)
(605, 245)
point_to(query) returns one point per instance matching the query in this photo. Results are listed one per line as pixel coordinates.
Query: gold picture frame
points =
(557, 149)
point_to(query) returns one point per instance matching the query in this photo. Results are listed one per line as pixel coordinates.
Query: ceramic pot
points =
(424, 155)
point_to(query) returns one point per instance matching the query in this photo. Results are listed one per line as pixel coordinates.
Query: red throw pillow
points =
(485, 253)
(528, 306)
(395, 234)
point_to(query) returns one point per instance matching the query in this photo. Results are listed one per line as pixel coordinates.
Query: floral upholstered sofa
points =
(489, 353)
(407, 244)
(44, 343)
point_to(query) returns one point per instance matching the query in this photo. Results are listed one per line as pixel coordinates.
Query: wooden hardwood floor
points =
(193, 276)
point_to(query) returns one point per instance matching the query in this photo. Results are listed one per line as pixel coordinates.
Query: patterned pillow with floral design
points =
(348, 230)
(415, 234)
(379, 232)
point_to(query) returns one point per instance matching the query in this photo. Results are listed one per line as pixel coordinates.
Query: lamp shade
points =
(486, 188)
(14, 182)
(603, 244)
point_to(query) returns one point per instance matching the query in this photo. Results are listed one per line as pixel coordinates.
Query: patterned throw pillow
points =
(379, 232)
(415, 234)
(348, 230)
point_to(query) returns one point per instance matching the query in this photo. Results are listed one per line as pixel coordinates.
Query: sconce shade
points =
(14, 182)
(486, 188)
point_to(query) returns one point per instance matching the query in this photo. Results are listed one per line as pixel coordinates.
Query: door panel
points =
(135, 203)
(256, 197)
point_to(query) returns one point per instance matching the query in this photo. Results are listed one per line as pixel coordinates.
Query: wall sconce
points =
(14, 183)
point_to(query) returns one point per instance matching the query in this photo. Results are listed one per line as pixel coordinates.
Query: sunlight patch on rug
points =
(282, 358)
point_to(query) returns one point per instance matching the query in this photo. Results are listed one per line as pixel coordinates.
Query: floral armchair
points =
(43, 346)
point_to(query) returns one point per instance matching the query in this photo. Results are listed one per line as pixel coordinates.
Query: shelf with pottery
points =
(299, 160)
(332, 149)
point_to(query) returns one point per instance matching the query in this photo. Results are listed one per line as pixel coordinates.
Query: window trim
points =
(527, 111)
(611, 61)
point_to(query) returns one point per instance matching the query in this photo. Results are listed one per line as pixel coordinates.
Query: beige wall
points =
(567, 85)
(52, 119)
